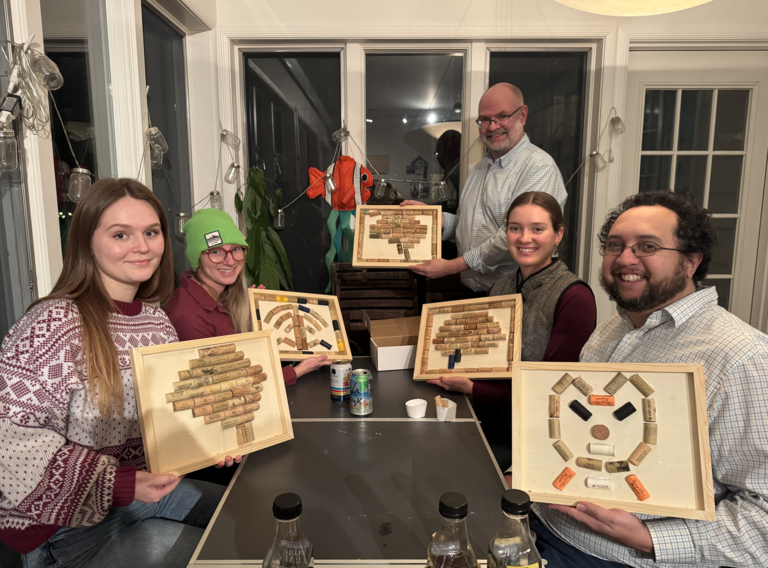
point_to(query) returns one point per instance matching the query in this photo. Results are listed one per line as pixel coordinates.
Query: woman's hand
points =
(458, 384)
(151, 487)
(408, 202)
(312, 364)
(229, 461)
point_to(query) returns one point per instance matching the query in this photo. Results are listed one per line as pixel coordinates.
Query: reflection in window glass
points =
(723, 287)
(554, 86)
(731, 119)
(293, 105)
(722, 254)
(725, 184)
(655, 172)
(659, 119)
(695, 119)
(691, 176)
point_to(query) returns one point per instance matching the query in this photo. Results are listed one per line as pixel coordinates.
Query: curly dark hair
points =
(694, 231)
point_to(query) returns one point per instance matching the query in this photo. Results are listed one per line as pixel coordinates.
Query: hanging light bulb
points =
(330, 185)
(598, 161)
(79, 183)
(340, 135)
(232, 170)
(157, 157)
(46, 71)
(8, 151)
(617, 127)
(380, 190)
(157, 139)
(178, 226)
(440, 194)
(279, 222)
(230, 139)
(215, 200)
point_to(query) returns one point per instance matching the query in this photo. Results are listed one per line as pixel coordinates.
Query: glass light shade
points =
(598, 161)
(617, 126)
(340, 135)
(46, 71)
(178, 225)
(156, 156)
(330, 185)
(157, 139)
(440, 193)
(380, 190)
(631, 7)
(79, 183)
(215, 200)
(279, 222)
(230, 139)
(9, 160)
(232, 171)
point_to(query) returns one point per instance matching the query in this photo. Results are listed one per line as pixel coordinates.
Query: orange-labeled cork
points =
(564, 478)
(637, 487)
(601, 400)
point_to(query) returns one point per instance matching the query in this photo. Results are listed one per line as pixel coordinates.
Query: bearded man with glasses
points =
(512, 166)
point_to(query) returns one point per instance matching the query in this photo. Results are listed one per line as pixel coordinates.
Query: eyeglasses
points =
(485, 122)
(616, 248)
(218, 255)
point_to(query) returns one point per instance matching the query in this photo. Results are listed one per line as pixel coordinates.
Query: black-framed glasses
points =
(615, 248)
(485, 122)
(218, 255)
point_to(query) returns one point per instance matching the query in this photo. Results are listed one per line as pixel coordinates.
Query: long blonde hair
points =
(80, 282)
(235, 299)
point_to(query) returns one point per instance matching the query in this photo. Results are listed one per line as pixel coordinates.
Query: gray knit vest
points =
(541, 293)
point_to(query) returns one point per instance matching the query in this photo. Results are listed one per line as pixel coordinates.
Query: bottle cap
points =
(286, 506)
(515, 502)
(453, 505)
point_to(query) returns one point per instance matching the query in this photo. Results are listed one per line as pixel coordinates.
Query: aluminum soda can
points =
(360, 395)
(341, 371)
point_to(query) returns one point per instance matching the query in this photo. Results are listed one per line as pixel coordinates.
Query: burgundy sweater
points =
(61, 462)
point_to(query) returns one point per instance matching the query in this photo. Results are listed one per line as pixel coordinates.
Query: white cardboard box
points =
(393, 342)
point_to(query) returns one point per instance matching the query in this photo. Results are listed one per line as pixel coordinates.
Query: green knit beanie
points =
(210, 228)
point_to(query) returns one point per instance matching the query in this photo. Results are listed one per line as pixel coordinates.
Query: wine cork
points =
(210, 389)
(641, 385)
(590, 463)
(216, 378)
(245, 434)
(649, 410)
(216, 360)
(217, 350)
(616, 383)
(601, 432)
(237, 420)
(563, 450)
(601, 449)
(224, 414)
(554, 406)
(564, 382)
(641, 452)
(604, 483)
(637, 488)
(601, 400)
(554, 428)
(616, 466)
(203, 371)
(243, 391)
(225, 405)
(650, 433)
(564, 478)
(624, 411)
(580, 410)
(582, 386)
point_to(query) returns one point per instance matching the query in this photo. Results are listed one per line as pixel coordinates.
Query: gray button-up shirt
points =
(735, 360)
(479, 227)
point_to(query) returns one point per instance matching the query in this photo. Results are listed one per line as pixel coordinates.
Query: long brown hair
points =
(81, 282)
(543, 200)
(235, 299)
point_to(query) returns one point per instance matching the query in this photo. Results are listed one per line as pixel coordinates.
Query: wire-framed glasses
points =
(485, 122)
(219, 254)
(615, 248)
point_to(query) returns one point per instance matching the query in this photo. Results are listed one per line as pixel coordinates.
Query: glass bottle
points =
(290, 547)
(8, 151)
(450, 546)
(513, 545)
(79, 183)
(157, 139)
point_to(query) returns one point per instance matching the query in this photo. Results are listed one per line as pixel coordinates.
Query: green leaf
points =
(238, 202)
(282, 257)
(253, 260)
(270, 250)
(268, 270)
(278, 198)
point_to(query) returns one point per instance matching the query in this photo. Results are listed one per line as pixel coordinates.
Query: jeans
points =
(160, 535)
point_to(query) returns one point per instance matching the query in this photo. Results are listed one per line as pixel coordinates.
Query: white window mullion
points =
(354, 65)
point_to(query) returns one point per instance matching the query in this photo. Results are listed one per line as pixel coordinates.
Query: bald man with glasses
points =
(511, 166)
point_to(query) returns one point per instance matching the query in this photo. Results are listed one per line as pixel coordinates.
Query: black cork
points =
(580, 410)
(322, 302)
(457, 356)
(307, 352)
(301, 300)
(626, 410)
(258, 315)
(335, 325)
(325, 344)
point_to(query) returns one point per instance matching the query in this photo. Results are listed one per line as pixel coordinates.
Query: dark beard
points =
(654, 295)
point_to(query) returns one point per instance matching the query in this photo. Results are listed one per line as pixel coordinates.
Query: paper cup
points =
(446, 413)
(416, 408)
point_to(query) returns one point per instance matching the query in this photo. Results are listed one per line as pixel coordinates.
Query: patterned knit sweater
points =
(61, 463)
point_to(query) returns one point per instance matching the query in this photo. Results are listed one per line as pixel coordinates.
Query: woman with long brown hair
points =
(72, 485)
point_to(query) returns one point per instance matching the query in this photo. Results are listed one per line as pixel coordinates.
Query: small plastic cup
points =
(416, 408)
(446, 413)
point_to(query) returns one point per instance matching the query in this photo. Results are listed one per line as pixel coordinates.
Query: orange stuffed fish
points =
(353, 183)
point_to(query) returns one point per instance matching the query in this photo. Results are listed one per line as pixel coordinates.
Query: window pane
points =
(731, 119)
(725, 184)
(691, 176)
(553, 84)
(723, 288)
(722, 255)
(655, 172)
(659, 119)
(695, 119)
(293, 105)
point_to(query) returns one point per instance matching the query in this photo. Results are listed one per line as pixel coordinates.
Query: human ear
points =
(692, 262)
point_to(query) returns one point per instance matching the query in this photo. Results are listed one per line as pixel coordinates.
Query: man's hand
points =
(439, 267)
(229, 461)
(312, 364)
(458, 384)
(621, 526)
(151, 487)
(408, 202)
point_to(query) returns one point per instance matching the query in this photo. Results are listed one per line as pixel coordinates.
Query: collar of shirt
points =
(509, 157)
(678, 312)
(199, 294)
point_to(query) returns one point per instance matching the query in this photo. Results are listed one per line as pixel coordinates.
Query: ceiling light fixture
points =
(631, 7)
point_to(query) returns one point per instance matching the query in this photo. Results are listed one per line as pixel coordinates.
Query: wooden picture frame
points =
(670, 422)
(484, 355)
(192, 427)
(297, 317)
(414, 235)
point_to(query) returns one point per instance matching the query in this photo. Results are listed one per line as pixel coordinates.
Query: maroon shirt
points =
(196, 315)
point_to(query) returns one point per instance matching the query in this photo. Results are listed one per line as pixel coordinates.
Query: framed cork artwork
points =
(389, 236)
(478, 338)
(305, 325)
(632, 436)
(200, 401)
